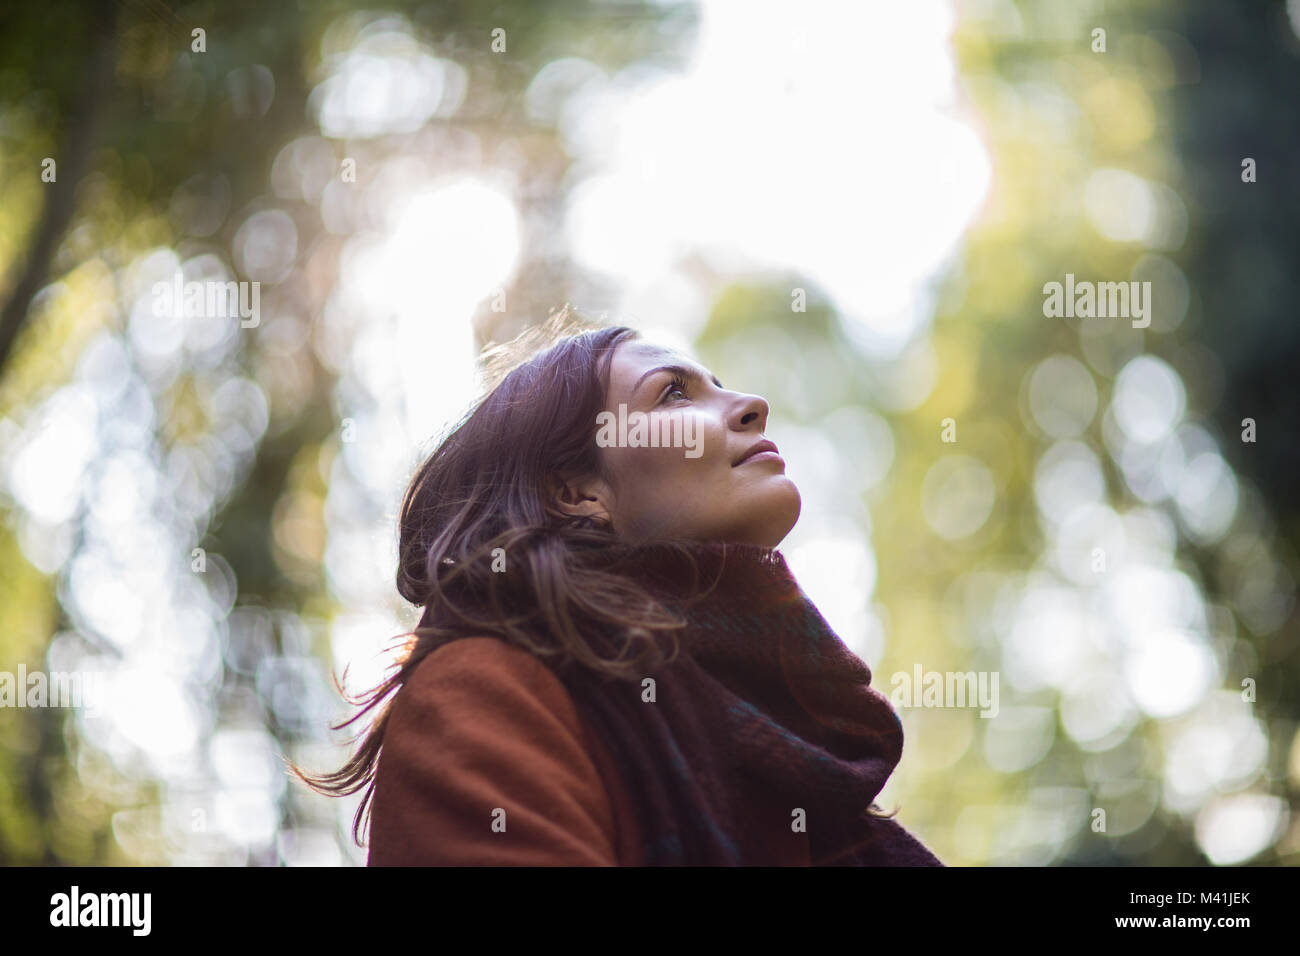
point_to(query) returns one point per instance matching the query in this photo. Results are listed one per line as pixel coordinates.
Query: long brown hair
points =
(483, 498)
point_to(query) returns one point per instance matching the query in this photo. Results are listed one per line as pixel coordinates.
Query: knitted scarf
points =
(764, 698)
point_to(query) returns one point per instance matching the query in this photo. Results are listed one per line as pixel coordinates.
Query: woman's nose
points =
(751, 409)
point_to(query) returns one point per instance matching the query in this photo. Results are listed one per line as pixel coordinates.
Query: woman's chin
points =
(781, 512)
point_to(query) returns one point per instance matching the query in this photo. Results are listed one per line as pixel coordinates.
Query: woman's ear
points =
(588, 497)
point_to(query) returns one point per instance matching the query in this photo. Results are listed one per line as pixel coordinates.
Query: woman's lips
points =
(763, 456)
(762, 450)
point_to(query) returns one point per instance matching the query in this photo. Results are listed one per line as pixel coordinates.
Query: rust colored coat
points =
(482, 725)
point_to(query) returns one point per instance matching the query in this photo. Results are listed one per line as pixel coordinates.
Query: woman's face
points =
(708, 478)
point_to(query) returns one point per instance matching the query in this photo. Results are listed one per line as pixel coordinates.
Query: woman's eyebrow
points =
(688, 373)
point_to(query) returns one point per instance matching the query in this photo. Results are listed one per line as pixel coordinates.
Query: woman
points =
(614, 667)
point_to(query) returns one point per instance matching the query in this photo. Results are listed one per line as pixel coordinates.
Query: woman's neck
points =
(682, 569)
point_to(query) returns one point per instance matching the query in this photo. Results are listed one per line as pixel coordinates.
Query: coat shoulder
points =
(485, 762)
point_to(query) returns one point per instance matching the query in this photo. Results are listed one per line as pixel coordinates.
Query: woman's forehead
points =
(640, 355)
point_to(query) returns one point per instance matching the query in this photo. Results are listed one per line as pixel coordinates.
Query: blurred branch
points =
(78, 143)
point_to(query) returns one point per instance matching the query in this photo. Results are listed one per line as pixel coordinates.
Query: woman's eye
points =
(675, 387)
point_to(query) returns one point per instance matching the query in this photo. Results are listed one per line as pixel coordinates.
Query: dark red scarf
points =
(765, 698)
